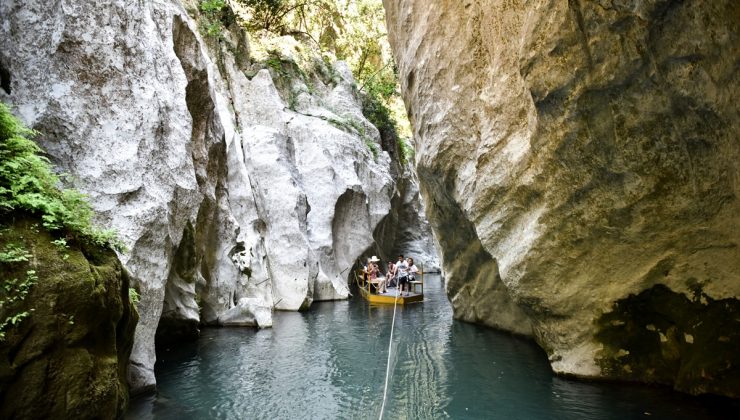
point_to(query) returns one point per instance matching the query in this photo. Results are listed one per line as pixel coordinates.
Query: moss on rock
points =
(69, 358)
(664, 337)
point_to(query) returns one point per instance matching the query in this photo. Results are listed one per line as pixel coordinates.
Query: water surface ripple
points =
(329, 363)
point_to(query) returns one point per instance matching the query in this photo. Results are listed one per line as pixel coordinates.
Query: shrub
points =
(407, 151)
(373, 148)
(133, 295)
(215, 15)
(212, 6)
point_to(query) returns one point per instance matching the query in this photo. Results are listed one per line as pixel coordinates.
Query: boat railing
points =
(362, 281)
(420, 281)
(365, 283)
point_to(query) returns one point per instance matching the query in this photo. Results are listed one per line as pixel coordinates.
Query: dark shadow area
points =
(660, 336)
(4, 78)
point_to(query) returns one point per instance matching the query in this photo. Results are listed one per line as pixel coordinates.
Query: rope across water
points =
(388, 363)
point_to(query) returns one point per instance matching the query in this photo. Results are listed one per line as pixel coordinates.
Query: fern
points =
(27, 183)
(15, 291)
(14, 253)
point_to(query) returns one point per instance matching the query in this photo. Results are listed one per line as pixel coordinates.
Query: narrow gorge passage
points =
(189, 190)
(330, 363)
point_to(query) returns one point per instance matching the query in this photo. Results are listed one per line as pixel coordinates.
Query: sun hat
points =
(374, 259)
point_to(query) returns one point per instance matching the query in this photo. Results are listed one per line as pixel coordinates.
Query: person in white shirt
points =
(412, 269)
(402, 272)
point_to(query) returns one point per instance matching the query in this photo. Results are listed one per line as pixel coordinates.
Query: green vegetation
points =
(348, 30)
(300, 39)
(215, 16)
(70, 313)
(270, 15)
(14, 253)
(62, 246)
(27, 184)
(133, 295)
(284, 71)
(212, 6)
(373, 147)
(14, 290)
(407, 151)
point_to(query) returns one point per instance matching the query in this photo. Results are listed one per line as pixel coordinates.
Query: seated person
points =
(382, 285)
(390, 276)
(366, 271)
(373, 271)
(413, 269)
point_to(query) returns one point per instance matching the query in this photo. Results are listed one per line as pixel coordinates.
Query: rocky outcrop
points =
(580, 165)
(238, 188)
(68, 358)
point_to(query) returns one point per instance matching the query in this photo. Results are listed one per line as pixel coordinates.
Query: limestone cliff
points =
(238, 187)
(580, 165)
(68, 358)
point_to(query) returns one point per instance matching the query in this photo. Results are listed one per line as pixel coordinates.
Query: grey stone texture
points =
(578, 154)
(236, 193)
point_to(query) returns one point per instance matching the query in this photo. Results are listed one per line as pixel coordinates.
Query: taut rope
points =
(388, 363)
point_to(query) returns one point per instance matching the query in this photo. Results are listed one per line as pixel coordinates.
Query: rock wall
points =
(580, 166)
(237, 191)
(414, 236)
(69, 358)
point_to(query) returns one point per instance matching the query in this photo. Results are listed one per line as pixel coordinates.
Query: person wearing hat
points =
(382, 285)
(368, 268)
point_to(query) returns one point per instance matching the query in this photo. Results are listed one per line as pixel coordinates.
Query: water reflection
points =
(330, 363)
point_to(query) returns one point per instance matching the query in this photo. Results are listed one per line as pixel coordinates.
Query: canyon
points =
(575, 177)
(238, 189)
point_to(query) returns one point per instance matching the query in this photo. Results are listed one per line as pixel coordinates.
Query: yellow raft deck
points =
(389, 297)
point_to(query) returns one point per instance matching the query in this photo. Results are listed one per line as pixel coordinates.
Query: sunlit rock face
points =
(580, 164)
(233, 197)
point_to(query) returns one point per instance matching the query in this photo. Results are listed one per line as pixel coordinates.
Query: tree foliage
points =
(349, 30)
(215, 16)
(28, 184)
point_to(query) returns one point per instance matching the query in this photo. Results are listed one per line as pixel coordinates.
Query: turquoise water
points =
(330, 363)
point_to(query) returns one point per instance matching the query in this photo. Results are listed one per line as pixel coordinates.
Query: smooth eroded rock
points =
(227, 183)
(574, 156)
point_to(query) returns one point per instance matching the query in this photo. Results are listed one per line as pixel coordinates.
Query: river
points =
(330, 363)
